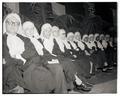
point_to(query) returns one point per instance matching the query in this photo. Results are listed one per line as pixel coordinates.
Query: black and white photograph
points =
(59, 47)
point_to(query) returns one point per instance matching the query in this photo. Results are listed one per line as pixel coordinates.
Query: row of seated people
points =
(50, 62)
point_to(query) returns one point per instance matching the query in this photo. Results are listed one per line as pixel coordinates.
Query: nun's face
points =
(55, 33)
(62, 34)
(12, 25)
(97, 38)
(107, 38)
(47, 33)
(86, 39)
(71, 37)
(29, 31)
(91, 38)
(102, 37)
(77, 37)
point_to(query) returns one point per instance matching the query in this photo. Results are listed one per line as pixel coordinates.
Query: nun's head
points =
(77, 36)
(55, 31)
(62, 34)
(12, 23)
(28, 28)
(107, 37)
(46, 30)
(102, 37)
(97, 37)
(85, 38)
(70, 36)
(91, 37)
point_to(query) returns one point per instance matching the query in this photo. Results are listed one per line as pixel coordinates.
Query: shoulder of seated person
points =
(5, 36)
(23, 38)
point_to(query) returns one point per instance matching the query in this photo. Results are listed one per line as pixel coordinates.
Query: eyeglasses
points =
(13, 23)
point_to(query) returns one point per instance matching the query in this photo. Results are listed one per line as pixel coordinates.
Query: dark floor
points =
(103, 83)
(106, 87)
(101, 77)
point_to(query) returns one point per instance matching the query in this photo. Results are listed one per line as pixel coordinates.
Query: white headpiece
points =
(44, 27)
(84, 36)
(30, 24)
(14, 43)
(48, 43)
(80, 43)
(71, 42)
(11, 16)
(96, 35)
(38, 46)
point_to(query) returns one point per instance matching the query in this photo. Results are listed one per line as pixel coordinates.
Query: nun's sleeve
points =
(29, 50)
(56, 49)
(5, 49)
(47, 56)
(87, 50)
(10, 70)
(68, 53)
(9, 60)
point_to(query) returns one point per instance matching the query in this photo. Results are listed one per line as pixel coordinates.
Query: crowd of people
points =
(54, 61)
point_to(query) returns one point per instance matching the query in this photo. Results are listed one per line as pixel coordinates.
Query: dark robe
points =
(61, 86)
(102, 57)
(109, 51)
(115, 52)
(84, 60)
(93, 57)
(33, 75)
(36, 73)
(70, 64)
(12, 73)
(81, 52)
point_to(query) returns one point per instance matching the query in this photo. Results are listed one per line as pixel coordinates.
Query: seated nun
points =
(69, 65)
(101, 54)
(109, 51)
(50, 79)
(80, 45)
(85, 62)
(13, 48)
(90, 50)
(115, 50)
(49, 45)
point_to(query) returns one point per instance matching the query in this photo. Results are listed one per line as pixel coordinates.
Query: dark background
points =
(103, 22)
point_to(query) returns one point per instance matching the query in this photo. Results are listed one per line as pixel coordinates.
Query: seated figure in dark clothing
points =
(57, 80)
(70, 64)
(13, 47)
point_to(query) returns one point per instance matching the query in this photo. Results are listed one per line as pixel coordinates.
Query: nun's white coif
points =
(58, 40)
(47, 42)
(38, 46)
(64, 41)
(45, 27)
(98, 43)
(92, 43)
(14, 43)
(11, 16)
(87, 43)
(71, 42)
(80, 44)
